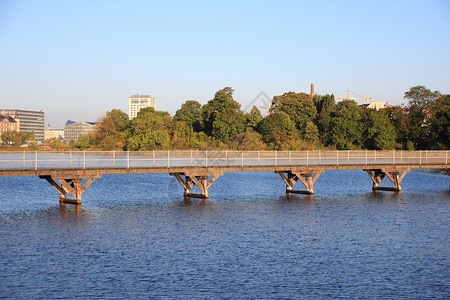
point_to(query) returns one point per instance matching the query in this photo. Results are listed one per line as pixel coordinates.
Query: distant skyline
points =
(76, 60)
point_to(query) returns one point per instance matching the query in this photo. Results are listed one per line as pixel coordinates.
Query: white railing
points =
(35, 160)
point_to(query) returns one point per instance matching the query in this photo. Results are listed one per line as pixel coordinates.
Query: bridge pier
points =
(69, 185)
(307, 178)
(394, 176)
(201, 181)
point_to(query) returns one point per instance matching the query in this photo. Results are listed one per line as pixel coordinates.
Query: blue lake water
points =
(136, 237)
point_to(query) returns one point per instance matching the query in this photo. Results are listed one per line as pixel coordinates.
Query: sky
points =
(76, 60)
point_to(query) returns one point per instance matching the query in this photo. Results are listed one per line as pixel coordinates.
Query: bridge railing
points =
(37, 160)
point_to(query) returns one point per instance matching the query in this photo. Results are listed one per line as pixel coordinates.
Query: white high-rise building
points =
(136, 102)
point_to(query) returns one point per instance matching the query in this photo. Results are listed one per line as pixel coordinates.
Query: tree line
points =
(296, 121)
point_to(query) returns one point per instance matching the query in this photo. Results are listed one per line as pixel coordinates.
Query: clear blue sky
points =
(79, 59)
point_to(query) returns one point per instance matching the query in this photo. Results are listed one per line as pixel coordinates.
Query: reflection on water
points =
(188, 201)
(69, 210)
(132, 239)
(383, 196)
(296, 197)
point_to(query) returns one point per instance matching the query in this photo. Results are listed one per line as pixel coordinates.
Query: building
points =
(375, 105)
(7, 123)
(29, 121)
(73, 130)
(54, 133)
(137, 102)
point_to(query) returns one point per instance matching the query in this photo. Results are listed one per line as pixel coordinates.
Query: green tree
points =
(299, 106)
(421, 96)
(253, 117)
(279, 120)
(200, 140)
(109, 132)
(420, 101)
(56, 144)
(149, 130)
(17, 137)
(72, 144)
(417, 128)
(310, 133)
(119, 118)
(379, 131)
(440, 123)
(222, 117)
(84, 142)
(346, 125)
(326, 106)
(398, 118)
(278, 131)
(181, 134)
(190, 113)
(249, 140)
(324, 102)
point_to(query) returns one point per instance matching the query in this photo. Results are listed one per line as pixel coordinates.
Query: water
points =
(135, 237)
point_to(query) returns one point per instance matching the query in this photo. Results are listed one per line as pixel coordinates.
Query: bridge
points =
(72, 172)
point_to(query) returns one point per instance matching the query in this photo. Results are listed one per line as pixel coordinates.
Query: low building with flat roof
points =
(54, 133)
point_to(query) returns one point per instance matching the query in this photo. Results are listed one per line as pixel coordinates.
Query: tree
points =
(379, 132)
(249, 140)
(222, 117)
(325, 106)
(56, 144)
(398, 118)
(109, 132)
(84, 142)
(299, 106)
(190, 113)
(420, 101)
(346, 125)
(181, 134)
(417, 128)
(324, 103)
(278, 131)
(119, 118)
(149, 130)
(310, 133)
(200, 140)
(421, 96)
(17, 137)
(440, 123)
(279, 120)
(253, 117)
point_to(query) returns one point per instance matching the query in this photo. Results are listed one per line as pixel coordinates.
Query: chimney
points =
(312, 90)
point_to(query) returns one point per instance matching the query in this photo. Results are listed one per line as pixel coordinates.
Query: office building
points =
(73, 130)
(137, 102)
(29, 121)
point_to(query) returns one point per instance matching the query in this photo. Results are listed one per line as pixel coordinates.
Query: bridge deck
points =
(217, 170)
(66, 170)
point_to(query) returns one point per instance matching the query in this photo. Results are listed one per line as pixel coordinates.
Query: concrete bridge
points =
(73, 172)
